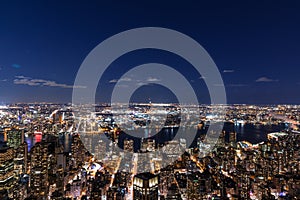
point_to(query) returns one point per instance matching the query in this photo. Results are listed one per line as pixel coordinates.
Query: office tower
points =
(232, 137)
(98, 184)
(145, 186)
(60, 180)
(62, 160)
(78, 151)
(39, 170)
(143, 145)
(21, 158)
(128, 145)
(150, 145)
(14, 137)
(7, 175)
(221, 140)
(113, 193)
(173, 192)
(100, 150)
(58, 117)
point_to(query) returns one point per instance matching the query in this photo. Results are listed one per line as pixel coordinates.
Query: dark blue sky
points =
(255, 45)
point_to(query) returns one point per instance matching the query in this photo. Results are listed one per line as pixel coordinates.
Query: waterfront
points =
(249, 132)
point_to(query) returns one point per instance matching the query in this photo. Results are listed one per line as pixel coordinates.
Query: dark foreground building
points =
(145, 186)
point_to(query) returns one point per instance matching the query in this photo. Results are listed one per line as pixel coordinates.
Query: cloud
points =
(3, 80)
(151, 79)
(228, 71)
(265, 79)
(113, 81)
(125, 79)
(141, 84)
(23, 80)
(138, 82)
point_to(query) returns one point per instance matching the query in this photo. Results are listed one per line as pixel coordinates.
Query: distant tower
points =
(221, 140)
(100, 150)
(145, 186)
(128, 145)
(232, 137)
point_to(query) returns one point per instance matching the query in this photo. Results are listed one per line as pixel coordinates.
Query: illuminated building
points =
(221, 140)
(145, 186)
(100, 150)
(113, 193)
(128, 145)
(232, 137)
(77, 151)
(14, 137)
(98, 184)
(150, 145)
(39, 170)
(7, 178)
(21, 155)
(276, 135)
(60, 180)
(58, 116)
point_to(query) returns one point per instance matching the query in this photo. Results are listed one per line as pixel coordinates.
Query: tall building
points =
(14, 137)
(78, 151)
(232, 137)
(100, 150)
(21, 158)
(145, 186)
(39, 170)
(128, 145)
(7, 175)
(221, 139)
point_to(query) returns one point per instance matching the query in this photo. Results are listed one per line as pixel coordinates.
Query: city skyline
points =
(254, 47)
(135, 100)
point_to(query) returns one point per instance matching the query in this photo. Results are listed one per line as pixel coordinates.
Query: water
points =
(249, 132)
(253, 133)
(246, 132)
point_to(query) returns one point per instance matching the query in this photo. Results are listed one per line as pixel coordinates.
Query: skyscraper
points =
(7, 176)
(14, 137)
(145, 186)
(39, 170)
(232, 137)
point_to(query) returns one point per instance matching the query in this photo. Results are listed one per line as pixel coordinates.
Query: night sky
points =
(255, 44)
